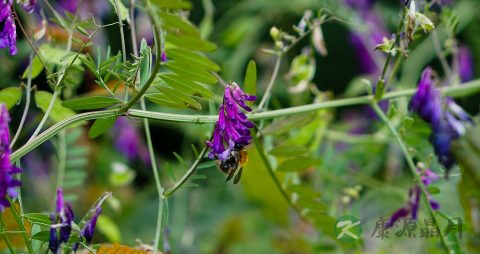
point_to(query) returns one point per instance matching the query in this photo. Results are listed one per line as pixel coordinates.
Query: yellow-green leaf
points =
(59, 112)
(10, 96)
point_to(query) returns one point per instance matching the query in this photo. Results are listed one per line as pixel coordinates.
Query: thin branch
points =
(187, 174)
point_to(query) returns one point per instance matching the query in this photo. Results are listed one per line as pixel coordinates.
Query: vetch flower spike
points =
(232, 131)
(447, 120)
(7, 182)
(8, 33)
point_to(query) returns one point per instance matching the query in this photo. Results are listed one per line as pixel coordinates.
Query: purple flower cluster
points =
(448, 121)
(411, 208)
(7, 170)
(233, 127)
(63, 219)
(8, 33)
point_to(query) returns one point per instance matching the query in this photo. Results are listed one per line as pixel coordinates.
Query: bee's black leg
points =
(230, 175)
(238, 176)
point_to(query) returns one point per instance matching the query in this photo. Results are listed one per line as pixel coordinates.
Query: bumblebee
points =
(235, 161)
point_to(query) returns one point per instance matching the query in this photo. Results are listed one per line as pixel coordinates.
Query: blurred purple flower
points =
(129, 142)
(413, 204)
(69, 5)
(8, 33)
(62, 218)
(364, 54)
(89, 228)
(27, 5)
(427, 101)
(364, 43)
(164, 57)
(233, 127)
(465, 64)
(7, 170)
(360, 5)
(447, 123)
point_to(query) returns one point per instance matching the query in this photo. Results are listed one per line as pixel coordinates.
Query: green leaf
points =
(190, 42)
(298, 164)
(37, 68)
(250, 81)
(38, 218)
(177, 96)
(288, 151)
(93, 102)
(123, 11)
(185, 86)
(188, 56)
(59, 112)
(287, 123)
(43, 236)
(163, 100)
(434, 190)
(109, 228)
(172, 4)
(192, 73)
(10, 96)
(100, 126)
(178, 25)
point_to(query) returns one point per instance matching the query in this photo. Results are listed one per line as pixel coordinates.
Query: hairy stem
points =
(411, 165)
(456, 91)
(156, 176)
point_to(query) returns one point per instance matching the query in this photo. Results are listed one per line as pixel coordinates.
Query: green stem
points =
(268, 91)
(5, 236)
(122, 40)
(187, 174)
(156, 176)
(397, 39)
(154, 72)
(45, 116)
(27, 104)
(411, 165)
(62, 158)
(20, 224)
(457, 91)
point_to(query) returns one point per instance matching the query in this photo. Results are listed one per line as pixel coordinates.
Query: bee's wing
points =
(230, 174)
(238, 176)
